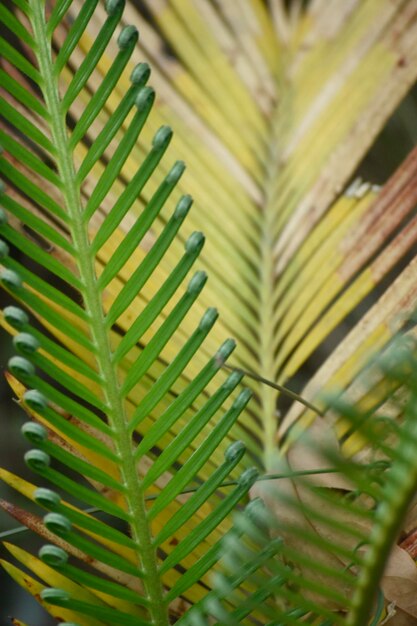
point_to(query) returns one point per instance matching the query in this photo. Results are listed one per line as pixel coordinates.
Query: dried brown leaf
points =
(400, 582)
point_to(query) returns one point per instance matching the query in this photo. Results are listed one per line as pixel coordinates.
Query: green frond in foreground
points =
(315, 551)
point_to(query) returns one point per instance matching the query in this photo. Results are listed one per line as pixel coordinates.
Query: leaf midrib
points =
(116, 412)
(267, 281)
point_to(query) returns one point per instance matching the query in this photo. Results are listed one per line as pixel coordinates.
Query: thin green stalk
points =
(284, 390)
(93, 305)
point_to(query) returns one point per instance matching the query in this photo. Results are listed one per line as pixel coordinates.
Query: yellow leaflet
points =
(22, 486)
(34, 588)
(270, 46)
(330, 240)
(52, 577)
(28, 490)
(339, 310)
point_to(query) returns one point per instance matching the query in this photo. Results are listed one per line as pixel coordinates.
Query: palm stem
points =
(266, 307)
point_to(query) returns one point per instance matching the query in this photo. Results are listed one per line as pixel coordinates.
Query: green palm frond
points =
(85, 418)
